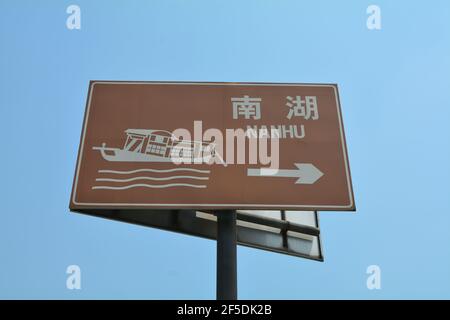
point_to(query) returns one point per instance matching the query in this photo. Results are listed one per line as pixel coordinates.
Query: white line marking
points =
(152, 178)
(161, 186)
(154, 170)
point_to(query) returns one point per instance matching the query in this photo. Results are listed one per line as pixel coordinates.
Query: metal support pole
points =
(226, 287)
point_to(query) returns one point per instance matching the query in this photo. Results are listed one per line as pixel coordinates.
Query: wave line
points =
(151, 186)
(155, 170)
(152, 178)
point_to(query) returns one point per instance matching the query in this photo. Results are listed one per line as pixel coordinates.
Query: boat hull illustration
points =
(144, 145)
(119, 155)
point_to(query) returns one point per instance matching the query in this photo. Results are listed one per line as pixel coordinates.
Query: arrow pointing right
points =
(306, 173)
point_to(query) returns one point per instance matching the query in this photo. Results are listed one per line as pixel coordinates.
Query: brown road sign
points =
(168, 145)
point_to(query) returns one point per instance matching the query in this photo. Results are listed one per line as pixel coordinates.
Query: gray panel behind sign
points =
(295, 233)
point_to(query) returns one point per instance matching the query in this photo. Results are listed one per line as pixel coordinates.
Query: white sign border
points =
(230, 205)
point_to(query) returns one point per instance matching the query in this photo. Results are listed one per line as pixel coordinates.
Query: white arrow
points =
(306, 173)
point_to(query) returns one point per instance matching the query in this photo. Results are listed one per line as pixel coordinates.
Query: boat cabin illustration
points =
(146, 145)
(155, 142)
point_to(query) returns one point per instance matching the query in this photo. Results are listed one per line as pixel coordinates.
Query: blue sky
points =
(394, 86)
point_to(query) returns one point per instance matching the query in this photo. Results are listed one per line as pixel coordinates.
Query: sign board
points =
(209, 146)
